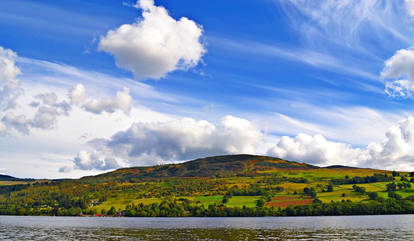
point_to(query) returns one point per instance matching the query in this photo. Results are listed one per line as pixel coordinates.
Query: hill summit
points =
(216, 166)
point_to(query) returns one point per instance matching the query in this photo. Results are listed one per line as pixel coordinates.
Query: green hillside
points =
(232, 185)
(217, 166)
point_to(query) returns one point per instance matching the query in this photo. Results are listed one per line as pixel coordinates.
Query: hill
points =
(14, 179)
(216, 166)
(7, 178)
(231, 185)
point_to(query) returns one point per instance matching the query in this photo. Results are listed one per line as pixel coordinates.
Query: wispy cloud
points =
(57, 74)
(346, 22)
(307, 56)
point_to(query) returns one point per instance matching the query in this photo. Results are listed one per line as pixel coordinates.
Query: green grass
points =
(406, 192)
(7, 183)
(240, 201)
(209, 200)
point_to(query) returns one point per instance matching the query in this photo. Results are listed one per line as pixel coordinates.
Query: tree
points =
(394, 195)
(112, 211)
(391, 187)
(373, 195)
(310, 191)
(330, 188)
(260, 203)
(358, 189)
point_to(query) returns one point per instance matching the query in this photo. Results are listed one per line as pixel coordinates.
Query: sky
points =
(87, 87)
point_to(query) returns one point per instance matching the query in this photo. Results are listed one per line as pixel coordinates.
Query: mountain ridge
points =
(212, 166)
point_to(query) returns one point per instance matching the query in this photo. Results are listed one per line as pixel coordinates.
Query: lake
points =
(387, 227)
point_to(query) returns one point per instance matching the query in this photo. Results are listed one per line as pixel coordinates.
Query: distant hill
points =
(216, 166)
(10, 178)
(7, 178)
(341, 167)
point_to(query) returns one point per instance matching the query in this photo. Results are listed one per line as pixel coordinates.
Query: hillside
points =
(232, 185)
(216, 166)
(7, 178)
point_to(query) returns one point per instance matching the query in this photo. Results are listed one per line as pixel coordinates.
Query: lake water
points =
(387, 227)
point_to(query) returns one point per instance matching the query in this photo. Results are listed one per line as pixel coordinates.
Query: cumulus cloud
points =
(18, 122)
(399, 69)
(314, 150)
(185, 139)
(396, 151)
(45, 117)
(9, 83)
(122, 101)
(156, 44)
(48, 98)
(10, 90)
(65, 169)
(77, 94)
(91, 161)
(178, 140)
(48, 109)
(8, 70)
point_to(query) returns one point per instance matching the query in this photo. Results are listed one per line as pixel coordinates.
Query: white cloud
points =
(181, 139)
(9, 83)
(10, 90)
(49, 109)
(399, 88)
(333, 122)
(184, 139)
(89, 161)
(409, 4)
(345, 22)
(48, 98)
(77, 94)
(307, 56)
(2, 127)
(18, 122)
(123, 101)
(45, 118)
(47, 151)
(65, 169)
(396, 151)
(400, 68)
(156, 44)
(315, 150)
(8, 69)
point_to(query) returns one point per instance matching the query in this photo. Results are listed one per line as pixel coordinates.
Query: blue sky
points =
(325, 82)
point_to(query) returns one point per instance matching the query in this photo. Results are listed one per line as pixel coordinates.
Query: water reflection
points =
(393, 227)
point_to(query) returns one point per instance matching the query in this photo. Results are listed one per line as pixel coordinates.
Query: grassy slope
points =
(258, 166)
(218, 174)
